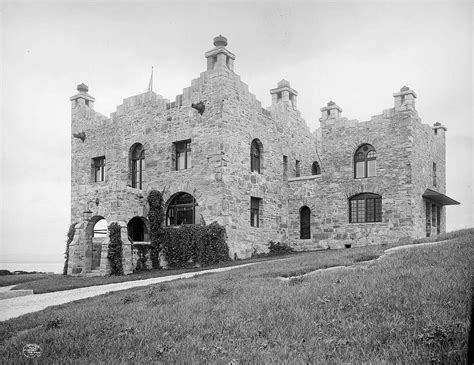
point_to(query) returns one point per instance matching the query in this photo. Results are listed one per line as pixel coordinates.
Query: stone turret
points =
(220, 57)
(284, 93)
(82, 97)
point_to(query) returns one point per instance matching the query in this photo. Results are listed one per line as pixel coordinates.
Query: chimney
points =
(405, 99)
(330, 111)
(82, 97)
(284, 93)
(220, 57)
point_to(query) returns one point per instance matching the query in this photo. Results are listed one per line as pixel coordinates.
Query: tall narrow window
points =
(315, 169)
(366, 207)
(365, 162)
(181, 210)
(98, 165)
(254, 212)
(297, 168)
(138, 163)
(305, 223)
(255, 155)
(285, 168)
(435, 179)
(183, 155)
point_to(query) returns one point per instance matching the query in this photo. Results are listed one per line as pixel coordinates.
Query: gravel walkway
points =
(15, 307)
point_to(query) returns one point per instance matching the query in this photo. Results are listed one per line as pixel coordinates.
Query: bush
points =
(194, 245)
(115, 249)
(142, 252)
(278, 248)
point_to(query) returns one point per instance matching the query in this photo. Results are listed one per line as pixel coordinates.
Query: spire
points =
(150, 84)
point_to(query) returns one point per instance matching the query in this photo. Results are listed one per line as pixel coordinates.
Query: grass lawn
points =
(307, 261)
(410, 307)
(6, 280)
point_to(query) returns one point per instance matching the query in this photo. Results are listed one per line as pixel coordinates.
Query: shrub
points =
(156, 217)
(195, 245)
(70, 237)
(115, 249)
(278, 248)
(142, 257)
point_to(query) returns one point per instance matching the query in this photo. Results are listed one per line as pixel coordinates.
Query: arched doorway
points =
(305, 223)
(138, 230)
(96, 234)
(181, 210)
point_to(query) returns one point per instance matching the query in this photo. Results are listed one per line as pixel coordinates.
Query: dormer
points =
(220, 57)
(284, 93)
(82, 97)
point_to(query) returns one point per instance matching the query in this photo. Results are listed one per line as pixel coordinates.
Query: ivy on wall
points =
(70, 237)
(114, 254)
(155, 217)
(195, 245)
(184, 246)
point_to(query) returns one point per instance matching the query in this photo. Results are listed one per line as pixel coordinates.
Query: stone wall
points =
(221, 180)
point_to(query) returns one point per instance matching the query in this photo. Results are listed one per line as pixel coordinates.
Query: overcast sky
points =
(355, 54)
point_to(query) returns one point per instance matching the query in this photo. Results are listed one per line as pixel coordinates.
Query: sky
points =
(357, 54)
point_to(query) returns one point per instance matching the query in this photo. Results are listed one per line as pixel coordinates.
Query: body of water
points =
(56, 267)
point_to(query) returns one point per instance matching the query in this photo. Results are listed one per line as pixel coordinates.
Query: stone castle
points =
(217, 155)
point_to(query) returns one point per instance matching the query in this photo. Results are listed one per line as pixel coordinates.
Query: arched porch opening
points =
(96, 233)
(137, 229)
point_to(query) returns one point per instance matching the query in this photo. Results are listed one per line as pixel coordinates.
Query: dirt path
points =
(15, 307)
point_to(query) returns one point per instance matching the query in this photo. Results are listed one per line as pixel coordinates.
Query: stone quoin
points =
(217, 155)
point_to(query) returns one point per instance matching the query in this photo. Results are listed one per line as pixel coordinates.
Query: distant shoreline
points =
(56, 267)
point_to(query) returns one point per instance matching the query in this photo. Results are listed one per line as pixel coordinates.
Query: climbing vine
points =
(70, 237)
(115, 249)
(155, 217)
(195, 245)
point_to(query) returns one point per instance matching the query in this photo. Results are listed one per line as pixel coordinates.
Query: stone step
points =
(93, 273)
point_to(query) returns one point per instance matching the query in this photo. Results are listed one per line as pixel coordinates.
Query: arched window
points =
(181, 210)
(137, 230)
(305, 223)
(365, 207)
(365, 161)
(255, 155)
(137, 165)
(315, 169)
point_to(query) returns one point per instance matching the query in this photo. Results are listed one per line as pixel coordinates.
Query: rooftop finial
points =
(220, 41)
(405, 88)
(82, 88)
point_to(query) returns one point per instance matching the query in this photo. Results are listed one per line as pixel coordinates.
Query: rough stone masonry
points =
(217, 155)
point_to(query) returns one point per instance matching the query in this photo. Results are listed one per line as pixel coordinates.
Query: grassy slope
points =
(410, 307)
(42, 283)
(6, 280)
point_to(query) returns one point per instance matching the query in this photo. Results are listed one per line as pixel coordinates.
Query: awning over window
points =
(439, 198)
